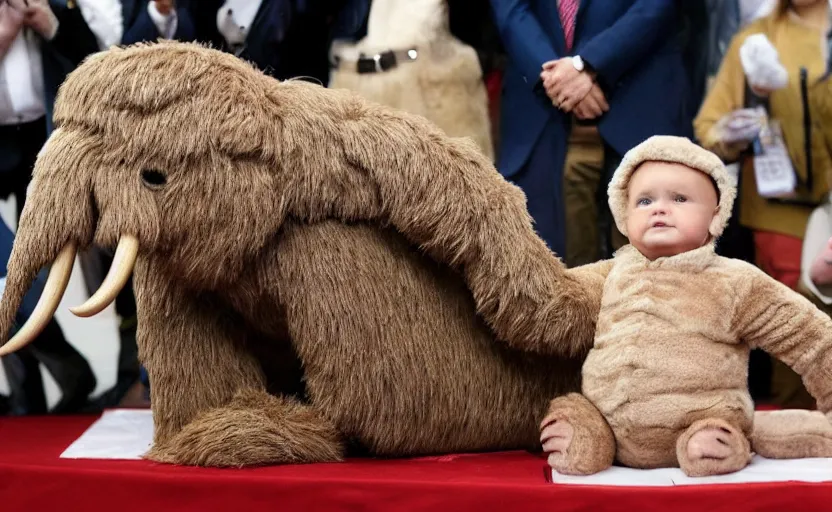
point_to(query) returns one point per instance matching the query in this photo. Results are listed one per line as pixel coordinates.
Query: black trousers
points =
(19, 147)
(66, 365)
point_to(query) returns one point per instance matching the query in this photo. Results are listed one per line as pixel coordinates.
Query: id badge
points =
(773, 168)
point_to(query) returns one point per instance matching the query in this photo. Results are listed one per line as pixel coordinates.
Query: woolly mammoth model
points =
(312, 271)
(410, 60)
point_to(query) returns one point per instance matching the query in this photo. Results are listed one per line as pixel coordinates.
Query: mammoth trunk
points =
(59, 218)
(22, 274)
(28, 257)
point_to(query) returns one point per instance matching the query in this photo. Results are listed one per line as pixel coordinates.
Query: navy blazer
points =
(73, 42)
(142, 28)
(264, 42)
(631, 44)
(30, 299)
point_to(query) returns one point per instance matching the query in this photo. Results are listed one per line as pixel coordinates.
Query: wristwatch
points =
(578, 62)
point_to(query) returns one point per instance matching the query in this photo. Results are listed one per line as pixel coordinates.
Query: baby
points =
(665, 384)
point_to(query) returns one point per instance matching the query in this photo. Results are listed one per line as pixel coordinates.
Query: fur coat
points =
(443, 83)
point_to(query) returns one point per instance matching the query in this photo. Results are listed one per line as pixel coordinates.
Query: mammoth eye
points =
(153, 178)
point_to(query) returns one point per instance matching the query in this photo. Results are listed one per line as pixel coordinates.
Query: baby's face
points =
(670, 208)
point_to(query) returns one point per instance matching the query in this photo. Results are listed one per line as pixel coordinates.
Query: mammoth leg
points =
(394, 352)
(208, 396)
(254, 429)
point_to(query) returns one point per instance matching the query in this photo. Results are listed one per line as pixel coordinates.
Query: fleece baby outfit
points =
(672, 345)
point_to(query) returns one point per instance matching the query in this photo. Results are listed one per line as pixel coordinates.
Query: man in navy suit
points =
(274, 35)
(154, 19)
(586, 81)
(40, 42)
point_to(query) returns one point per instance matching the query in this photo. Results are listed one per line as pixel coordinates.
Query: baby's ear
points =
(716, 226)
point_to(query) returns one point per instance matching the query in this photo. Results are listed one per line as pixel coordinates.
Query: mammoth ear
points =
(245, 117)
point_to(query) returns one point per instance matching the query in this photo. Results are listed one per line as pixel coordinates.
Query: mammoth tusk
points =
(120, 270)
(53, 292)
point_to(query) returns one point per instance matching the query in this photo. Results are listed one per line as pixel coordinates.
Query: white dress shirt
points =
(234, 20)
(165, 24)
(21, 81)
(104, 17)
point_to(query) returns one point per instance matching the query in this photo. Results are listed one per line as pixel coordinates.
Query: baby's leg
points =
(712, 447)
(577, 437)
(791, 434)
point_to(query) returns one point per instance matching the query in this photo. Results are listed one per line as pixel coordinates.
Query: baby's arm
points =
(591, 279)
(593, 275)
(785, 324)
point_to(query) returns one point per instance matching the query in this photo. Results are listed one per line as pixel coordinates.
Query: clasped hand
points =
(36, 14)
(573, 91)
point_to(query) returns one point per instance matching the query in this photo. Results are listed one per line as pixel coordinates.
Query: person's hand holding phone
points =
(11, 21)
(38, 16)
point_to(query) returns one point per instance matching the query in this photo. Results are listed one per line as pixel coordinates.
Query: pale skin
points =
(821, 270)
(11, 21)
(573, 91)
(164, 6)
(37, 15)
(670, 210)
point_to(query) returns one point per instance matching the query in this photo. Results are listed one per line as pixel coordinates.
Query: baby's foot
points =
(791, 434)
(712, 447)
(710, 443)
(576, 437)
(556, 439)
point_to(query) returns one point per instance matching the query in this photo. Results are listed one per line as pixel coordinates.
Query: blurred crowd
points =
(571, 86)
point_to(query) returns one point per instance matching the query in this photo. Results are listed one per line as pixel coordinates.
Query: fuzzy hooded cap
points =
(678, 150)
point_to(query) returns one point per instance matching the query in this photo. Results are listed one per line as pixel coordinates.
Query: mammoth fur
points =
(314, 273)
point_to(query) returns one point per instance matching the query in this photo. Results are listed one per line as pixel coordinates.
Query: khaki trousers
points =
(585, 197)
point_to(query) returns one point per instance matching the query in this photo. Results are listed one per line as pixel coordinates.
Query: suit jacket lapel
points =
(582, 8)
(272, 20)
(549, 15)
(128, 8)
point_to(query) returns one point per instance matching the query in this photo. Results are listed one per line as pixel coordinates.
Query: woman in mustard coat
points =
(797, 29)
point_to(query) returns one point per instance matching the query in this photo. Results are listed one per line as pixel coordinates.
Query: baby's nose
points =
(659, 208)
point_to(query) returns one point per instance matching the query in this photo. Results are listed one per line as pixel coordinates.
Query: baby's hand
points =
(821, 271)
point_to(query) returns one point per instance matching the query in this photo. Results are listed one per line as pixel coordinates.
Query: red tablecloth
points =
(34, 478)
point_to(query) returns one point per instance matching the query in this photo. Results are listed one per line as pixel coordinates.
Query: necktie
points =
(568, 9)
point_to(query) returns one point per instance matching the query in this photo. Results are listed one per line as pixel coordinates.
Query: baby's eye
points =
(644, 201)
(681, 199)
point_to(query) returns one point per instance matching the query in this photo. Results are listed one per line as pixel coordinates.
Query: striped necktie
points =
(568, 9)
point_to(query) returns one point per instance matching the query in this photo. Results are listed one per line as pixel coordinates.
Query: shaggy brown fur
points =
(791, 434)
(300, 225)
(670, 356)
(593, 445)
(444, 83)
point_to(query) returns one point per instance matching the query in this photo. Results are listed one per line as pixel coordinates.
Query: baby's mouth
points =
(660, 225)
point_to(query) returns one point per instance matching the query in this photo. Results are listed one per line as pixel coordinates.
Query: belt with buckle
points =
(380, 62)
